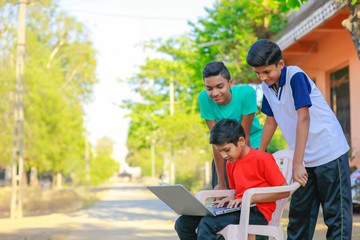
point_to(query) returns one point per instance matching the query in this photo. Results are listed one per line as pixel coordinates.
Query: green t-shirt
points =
(243, 102)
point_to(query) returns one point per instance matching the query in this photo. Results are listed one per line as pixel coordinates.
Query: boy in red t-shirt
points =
(246, 168)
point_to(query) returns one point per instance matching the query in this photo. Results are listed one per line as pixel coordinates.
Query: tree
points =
(233, 26)
(7, 83)
(151, 120)
(352, 23)
(236, 24)
(59, 76)
(103, 166)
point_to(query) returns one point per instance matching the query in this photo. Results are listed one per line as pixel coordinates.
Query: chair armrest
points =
(288, 188)
(204, 194)
(250, 192)
(245, 205)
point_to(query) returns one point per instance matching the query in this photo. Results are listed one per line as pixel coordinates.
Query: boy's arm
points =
(269, 197)
(248, 101)
(246, 123)
(219, 162)
(302, 130)
(267, 133)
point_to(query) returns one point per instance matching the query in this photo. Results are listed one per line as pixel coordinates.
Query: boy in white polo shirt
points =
(293, 102)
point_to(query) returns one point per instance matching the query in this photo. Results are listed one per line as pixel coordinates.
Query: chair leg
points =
(230, 232)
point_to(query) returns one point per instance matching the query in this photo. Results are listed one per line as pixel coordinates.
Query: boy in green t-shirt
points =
(223, 99)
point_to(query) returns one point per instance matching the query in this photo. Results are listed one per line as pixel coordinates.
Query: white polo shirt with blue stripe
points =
(326, 140)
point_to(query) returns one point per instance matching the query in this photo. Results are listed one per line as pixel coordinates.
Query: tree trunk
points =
(57, 181)
(8, 176)
(34, 180)
(352, 24)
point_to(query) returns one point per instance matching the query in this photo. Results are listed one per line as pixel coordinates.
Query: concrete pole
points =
(172, 162)
(87, 157)
(153, 159)
(207, 174)
(18, 162)
(172, 97)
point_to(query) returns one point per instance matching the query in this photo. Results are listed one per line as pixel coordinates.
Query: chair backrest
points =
(284, 161)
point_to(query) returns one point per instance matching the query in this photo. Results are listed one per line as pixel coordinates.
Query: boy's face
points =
(218, 89)
(270, 74)
(231, 152)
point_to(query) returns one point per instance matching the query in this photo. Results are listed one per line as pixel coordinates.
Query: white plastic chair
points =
(274, 228)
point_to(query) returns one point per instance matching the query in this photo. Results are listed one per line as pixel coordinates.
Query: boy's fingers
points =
(302, 180)
(218, 198)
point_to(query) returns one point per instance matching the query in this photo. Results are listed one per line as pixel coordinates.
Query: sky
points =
(117, 28)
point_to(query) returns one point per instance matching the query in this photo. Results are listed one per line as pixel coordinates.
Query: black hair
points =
(264, 53)
(215, 69)
(226, 131)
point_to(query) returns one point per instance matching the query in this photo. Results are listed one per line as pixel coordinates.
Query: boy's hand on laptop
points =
(220, 187)
(235, 203)
(224, 202)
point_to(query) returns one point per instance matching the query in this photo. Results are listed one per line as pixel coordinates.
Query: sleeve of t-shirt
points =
(205, 109)
(272, 172)
(265, 107)
(301, 90)
(249, 100)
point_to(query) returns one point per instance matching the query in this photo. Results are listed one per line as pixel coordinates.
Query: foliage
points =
(151, 120)
(103, 166)
(234, 26)
(59, 78)
(278, 141)
(7, 72)
(59, 74)
(352, 23)
(225, 34)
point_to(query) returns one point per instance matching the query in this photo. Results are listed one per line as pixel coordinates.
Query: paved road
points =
(128, 212)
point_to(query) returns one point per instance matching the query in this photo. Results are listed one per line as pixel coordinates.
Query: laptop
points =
(183, 202)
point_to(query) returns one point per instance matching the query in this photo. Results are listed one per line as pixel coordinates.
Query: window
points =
(340, 100)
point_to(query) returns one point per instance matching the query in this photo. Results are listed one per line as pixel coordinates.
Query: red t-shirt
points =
(256, 169)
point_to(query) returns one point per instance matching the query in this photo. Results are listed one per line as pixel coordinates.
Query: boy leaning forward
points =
(222, 99)
(320, 164)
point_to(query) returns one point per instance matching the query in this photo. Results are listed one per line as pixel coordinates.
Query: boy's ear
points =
(281, 64)
(231, 82)
(241, 141)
